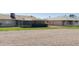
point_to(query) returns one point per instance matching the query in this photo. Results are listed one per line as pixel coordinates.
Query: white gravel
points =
(55, 37)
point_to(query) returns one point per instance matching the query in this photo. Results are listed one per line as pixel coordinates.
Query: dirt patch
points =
(55, 37)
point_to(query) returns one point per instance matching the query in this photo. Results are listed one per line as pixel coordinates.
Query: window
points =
(0, 23)
(76, 21)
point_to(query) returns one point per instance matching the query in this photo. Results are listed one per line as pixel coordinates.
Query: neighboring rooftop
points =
(69, 17)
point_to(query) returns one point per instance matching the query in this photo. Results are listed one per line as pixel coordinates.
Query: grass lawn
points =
(17, 28)
(38, 28)
(65, 27)
(71, 27)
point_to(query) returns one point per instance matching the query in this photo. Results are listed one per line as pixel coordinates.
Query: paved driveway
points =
(55, 37)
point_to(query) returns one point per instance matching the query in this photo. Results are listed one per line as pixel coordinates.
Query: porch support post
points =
(63, 22)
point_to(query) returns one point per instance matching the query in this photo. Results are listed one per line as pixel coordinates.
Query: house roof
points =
(18, 17)
(22, 17)
(3, 16)
(63, 18)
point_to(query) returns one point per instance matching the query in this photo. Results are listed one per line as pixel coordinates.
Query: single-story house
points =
(63, 21)
(31, 21)
(21, 21)
(6, 21)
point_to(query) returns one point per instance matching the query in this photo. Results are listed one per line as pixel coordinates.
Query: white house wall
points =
(7, 23)
(76, 23)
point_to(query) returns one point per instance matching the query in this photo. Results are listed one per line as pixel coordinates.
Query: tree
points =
(72, 15)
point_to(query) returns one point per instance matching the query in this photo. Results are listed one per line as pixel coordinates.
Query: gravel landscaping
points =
(54, 37)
